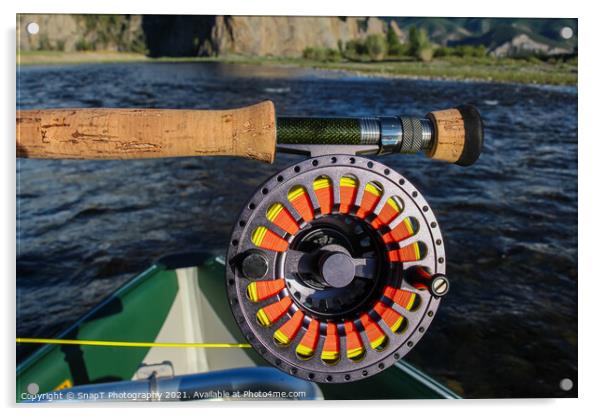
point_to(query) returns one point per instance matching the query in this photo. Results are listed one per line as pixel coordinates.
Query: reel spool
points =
(335, 269)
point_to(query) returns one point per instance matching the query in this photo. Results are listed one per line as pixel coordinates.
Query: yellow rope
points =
(126, 344)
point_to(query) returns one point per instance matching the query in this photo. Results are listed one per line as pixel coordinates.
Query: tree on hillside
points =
(376, 46)
(394, 46)
(420, 45)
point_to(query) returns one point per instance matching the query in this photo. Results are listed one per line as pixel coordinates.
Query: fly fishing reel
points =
(336, 268)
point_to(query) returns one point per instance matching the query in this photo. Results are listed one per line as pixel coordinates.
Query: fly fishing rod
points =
(453, 135)
(336, 265)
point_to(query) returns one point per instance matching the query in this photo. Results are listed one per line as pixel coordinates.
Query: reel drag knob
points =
(336, 269)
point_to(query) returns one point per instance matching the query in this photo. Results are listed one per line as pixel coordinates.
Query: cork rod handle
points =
(458, 135)
(108, 133)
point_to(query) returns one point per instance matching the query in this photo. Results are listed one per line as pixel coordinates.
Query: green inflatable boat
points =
(153, 339)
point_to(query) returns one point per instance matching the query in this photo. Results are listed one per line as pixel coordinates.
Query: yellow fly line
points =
(127, 344)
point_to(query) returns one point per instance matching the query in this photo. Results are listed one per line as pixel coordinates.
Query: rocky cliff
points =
(284, 36)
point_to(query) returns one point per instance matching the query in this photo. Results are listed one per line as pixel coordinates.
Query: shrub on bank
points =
(462, 51)
(373, 48)
(321, 54)
(355, 49)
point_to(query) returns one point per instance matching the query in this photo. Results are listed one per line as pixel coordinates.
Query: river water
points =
(508, 328)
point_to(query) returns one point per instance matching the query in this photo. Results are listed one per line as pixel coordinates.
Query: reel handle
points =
(110, 133)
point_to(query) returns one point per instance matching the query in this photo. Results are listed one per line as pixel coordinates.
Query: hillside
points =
(501, 36)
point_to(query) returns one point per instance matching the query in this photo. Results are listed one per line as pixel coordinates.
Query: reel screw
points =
(254, 266)
(439, 285)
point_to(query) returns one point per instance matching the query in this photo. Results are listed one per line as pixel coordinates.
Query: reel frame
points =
(253, 215)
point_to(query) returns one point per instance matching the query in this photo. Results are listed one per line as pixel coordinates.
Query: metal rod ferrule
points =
(391, 135)
(397, 134)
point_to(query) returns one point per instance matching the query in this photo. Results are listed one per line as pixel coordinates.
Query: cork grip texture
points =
(105, 133)
(450, 135)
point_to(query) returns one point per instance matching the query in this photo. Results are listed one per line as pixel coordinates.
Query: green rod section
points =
(318, 130)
